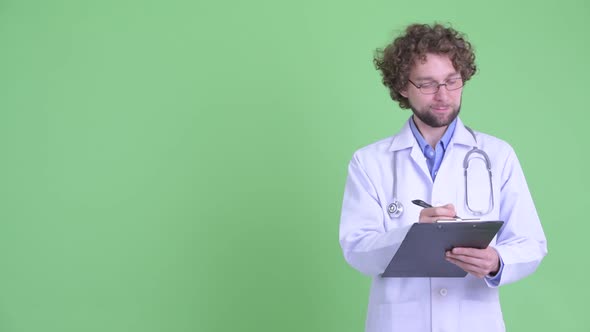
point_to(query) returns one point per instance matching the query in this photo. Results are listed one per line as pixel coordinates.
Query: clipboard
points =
(422, 252)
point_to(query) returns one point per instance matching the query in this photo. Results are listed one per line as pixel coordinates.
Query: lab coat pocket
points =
(405, 316)
(481, 316)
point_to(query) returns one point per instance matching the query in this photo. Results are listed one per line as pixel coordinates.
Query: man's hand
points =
(430, 215)
(478, 262)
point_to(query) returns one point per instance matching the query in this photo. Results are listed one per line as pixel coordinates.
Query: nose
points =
(442, 94)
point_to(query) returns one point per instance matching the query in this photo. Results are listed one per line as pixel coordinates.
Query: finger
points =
(450, 209)
(427, 216)
(471, 269)
(447, 210)
(487, 264)
(487, 254)
(467, 259)
(472, 252)
(427, 219)
(435, 213)
(479, 269)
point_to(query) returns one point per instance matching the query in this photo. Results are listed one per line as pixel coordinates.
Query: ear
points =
(404, 93)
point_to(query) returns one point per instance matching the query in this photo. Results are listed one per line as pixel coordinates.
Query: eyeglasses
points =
(431, 88)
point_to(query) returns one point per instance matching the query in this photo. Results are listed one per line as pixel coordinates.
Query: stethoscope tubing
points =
(396, 208)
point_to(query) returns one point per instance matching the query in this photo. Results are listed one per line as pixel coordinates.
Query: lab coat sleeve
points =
(521, 242)
(365, 243)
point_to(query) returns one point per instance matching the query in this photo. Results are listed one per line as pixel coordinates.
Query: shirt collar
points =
(405, 138)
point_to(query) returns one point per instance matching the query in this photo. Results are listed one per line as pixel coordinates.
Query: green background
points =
(179, 165)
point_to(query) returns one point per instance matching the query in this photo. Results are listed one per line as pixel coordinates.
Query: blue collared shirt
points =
(434, 157)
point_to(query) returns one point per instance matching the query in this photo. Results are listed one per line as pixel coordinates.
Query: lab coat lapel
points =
(462, 136)
(447, 184)
(404, 140)
(461, 142)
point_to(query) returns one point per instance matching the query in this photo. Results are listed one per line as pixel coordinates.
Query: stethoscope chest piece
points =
(395, 209)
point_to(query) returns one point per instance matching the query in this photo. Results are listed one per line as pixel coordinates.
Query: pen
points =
(423, 204)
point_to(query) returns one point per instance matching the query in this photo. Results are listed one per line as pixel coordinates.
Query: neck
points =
(431, 134)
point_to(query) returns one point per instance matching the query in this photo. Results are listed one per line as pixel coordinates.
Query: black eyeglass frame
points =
(419, 86)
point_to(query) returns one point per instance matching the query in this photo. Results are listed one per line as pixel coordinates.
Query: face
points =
(439, 109)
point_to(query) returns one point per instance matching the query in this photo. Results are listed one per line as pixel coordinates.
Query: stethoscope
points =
(396, 208)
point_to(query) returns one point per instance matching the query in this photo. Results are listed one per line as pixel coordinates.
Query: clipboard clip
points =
(456, 220)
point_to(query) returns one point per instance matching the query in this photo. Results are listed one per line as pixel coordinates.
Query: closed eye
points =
(428, 84)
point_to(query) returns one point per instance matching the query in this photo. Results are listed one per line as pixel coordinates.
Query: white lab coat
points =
(369, 237)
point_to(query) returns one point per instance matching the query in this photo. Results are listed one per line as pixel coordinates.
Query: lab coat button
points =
(443, 292)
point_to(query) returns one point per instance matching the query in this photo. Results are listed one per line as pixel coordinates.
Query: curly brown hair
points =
(396, 60)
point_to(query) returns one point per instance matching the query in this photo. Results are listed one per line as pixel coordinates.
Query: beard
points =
(434, 120)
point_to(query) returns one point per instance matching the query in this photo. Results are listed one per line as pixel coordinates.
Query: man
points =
(425, 70)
